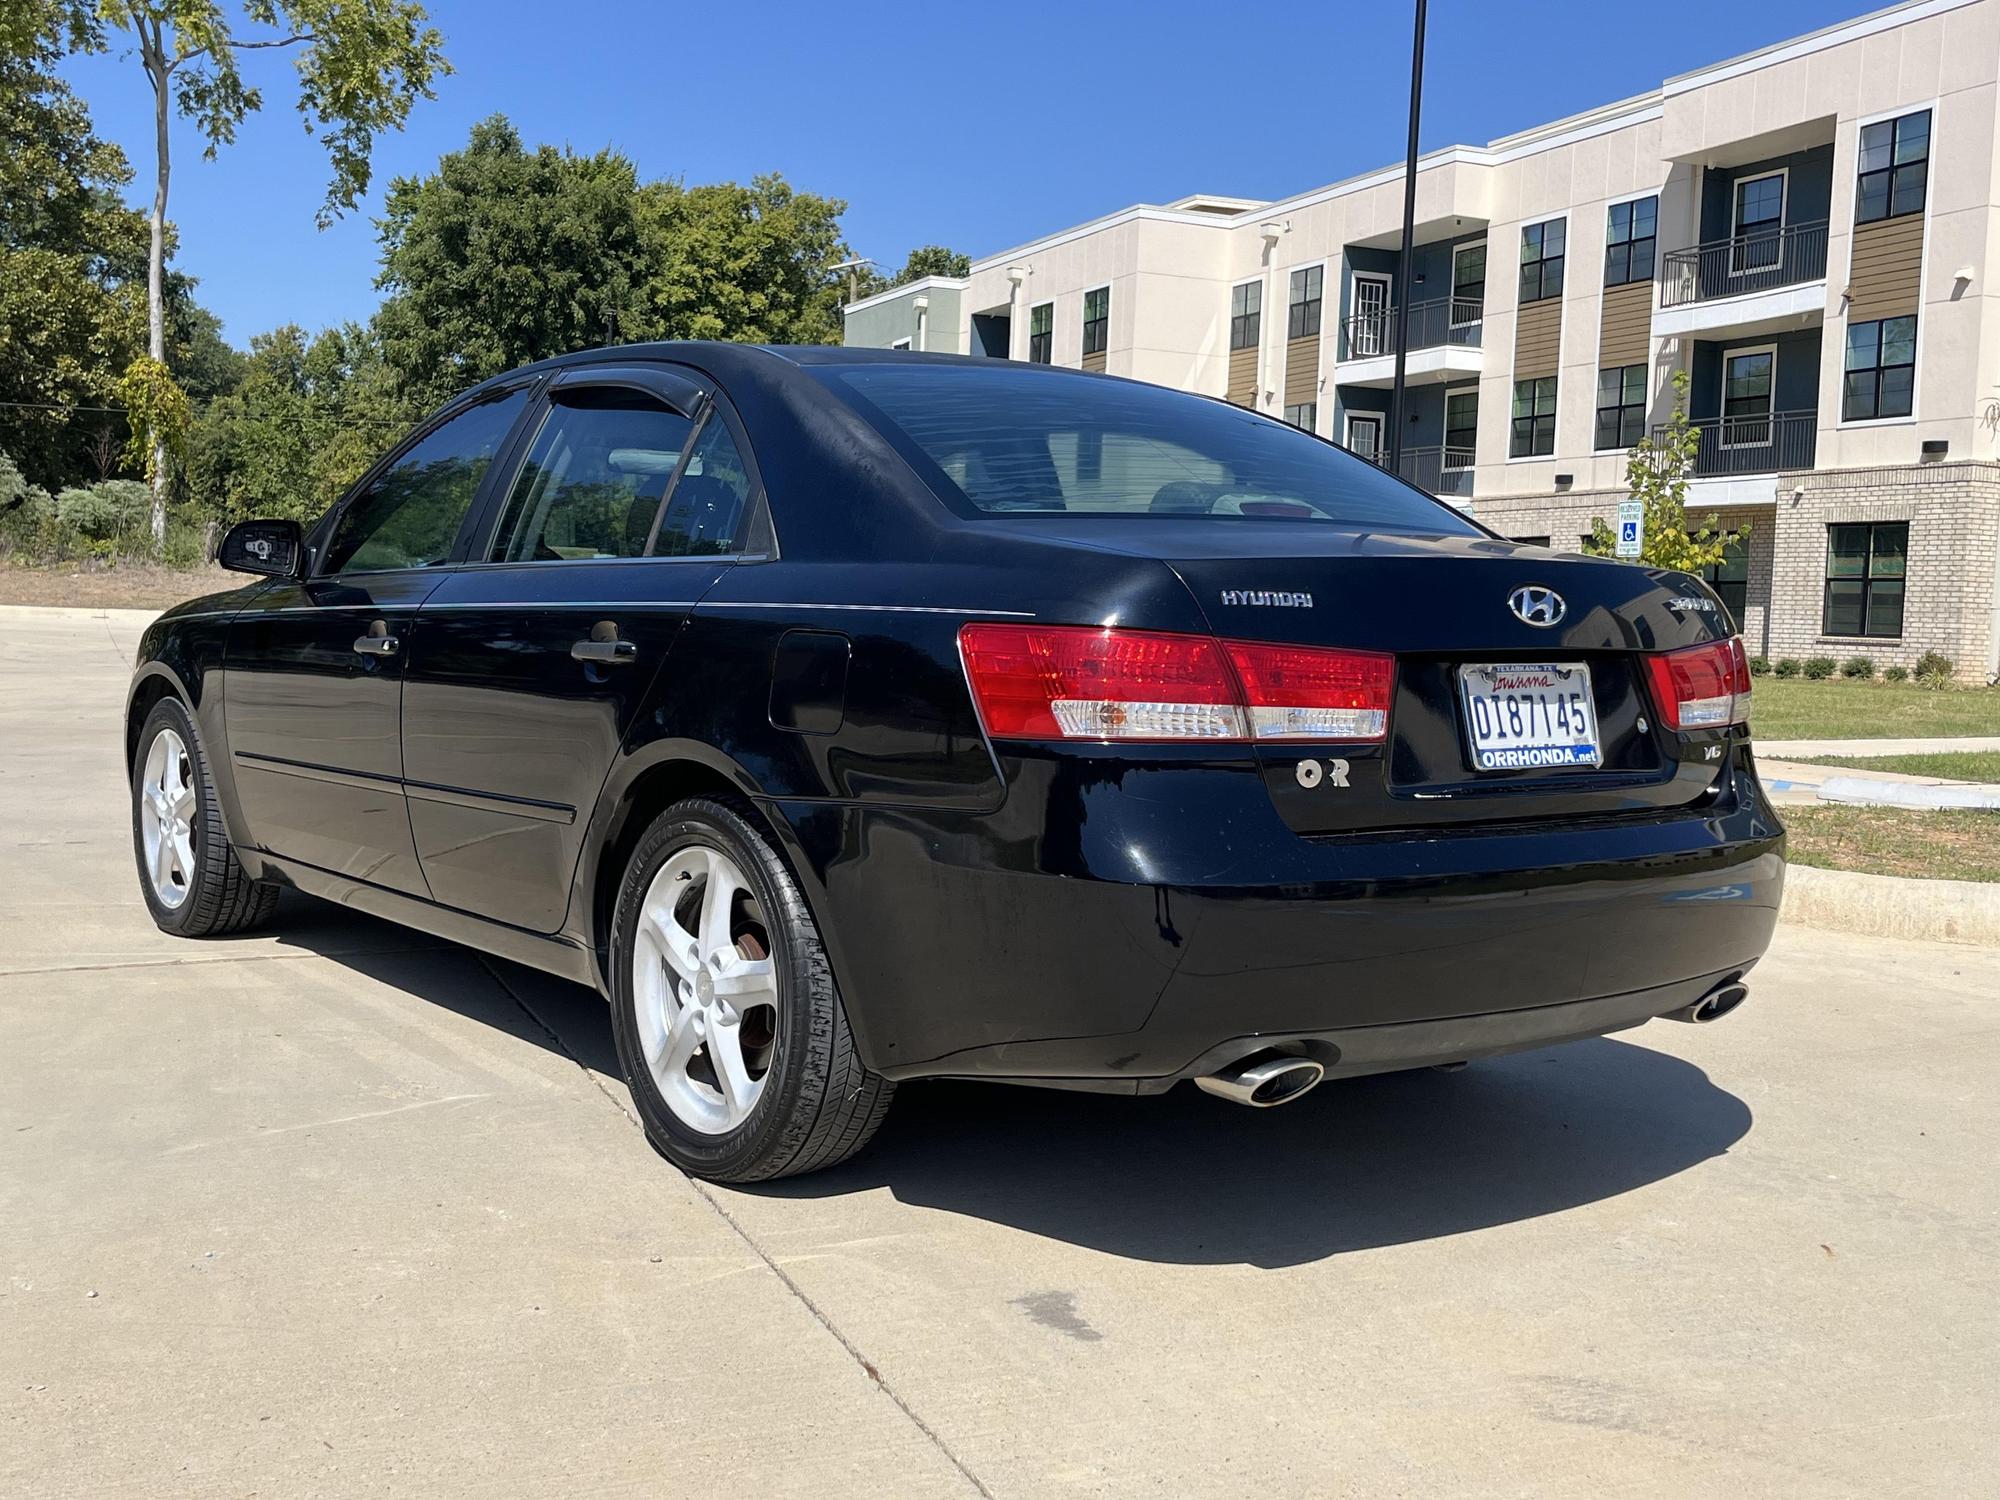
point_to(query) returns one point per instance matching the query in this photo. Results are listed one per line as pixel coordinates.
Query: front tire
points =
(728, 1024)
(188, 871)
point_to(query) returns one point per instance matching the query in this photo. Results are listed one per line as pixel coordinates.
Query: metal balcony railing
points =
(1753, 445)
(1437, 470)
(1743, 263)
(1448, 320)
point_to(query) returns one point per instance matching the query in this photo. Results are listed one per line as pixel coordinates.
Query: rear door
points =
(530, 661)
(314, 670)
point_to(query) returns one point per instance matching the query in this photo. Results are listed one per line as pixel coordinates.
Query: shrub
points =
(1895, 674)
(1934, 670)
(186, 545)
(1819, 668)
(1858, 666)
(1788, 666)
(107, 511)
(1760, 666)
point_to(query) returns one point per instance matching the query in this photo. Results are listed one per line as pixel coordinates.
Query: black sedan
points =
(848, 717)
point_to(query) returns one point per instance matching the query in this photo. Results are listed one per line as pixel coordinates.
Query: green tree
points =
(361, 64)
(925, 260)
(1657, 474)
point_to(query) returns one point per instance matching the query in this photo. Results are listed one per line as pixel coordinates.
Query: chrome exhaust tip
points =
(1264, 1082)
(1713, 1006)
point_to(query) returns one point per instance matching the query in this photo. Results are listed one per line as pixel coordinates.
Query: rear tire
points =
(188, 871)
(729, 1026)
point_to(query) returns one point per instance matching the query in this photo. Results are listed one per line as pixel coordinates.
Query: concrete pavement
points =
(339, 1210)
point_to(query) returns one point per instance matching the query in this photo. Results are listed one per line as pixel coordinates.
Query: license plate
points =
(1523, 715)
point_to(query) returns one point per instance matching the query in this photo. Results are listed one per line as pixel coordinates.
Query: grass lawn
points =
(127, 585)
(1958, 765)
(1794, 709)
(1949, 844)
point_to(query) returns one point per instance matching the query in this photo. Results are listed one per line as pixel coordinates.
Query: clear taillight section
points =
(1048, 682)
(1701, 687)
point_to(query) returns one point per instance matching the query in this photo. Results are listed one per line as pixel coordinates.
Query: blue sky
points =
(948, 124)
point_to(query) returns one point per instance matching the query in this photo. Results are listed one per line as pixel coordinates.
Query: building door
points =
(1368, 333)
(1364, 435)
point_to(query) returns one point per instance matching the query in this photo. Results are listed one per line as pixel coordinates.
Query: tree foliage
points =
(1657, 474)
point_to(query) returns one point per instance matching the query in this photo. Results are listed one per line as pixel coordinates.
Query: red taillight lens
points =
(1701, 687)
(1074, 682)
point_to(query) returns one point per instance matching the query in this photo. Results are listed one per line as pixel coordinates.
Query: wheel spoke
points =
(183, 846)
(716, 898)
(748, 982)
(677, 1044)
(725, 1050)
(163, 862)
(183, 803)
(677, 945)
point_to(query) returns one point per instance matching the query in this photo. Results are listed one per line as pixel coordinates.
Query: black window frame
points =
(1757, 244)
(1622, 253)
(1097, 330)
(1893, 173)
(1246, 315)
(1538, 421)
(1302, 313)
(1626, 410)
(1734, 590)
(1541, 271)
(1311, 411)
(1471, 446)
(1875, 370)
(1477, 287)
(1744, 426)
(1893, 584)
(1042, 341)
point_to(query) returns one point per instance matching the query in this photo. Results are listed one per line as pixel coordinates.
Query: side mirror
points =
(272, 548)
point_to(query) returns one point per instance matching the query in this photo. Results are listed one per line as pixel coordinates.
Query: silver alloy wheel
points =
(166, 818)
(705, 989)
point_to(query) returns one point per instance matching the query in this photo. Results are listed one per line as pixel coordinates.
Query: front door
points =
(529, 665)
(313, 686)
(1369, 331)
(1364, 436)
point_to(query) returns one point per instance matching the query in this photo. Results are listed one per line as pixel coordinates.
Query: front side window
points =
(1881, 375)
(1096, 320)
(1895, 161)
(999, 440)
(1759, 222)
(1746, 398)
(1303, 415)
(1865, 567)
(1042, 333)
(1302, 316)
(1534, 421)
(1630, 235)
(409, 515)
(593, 482)
(1246, 315)
(1461, 428)
(1621, 406)
(1542, 247)
(706, 503)
(1730, 579)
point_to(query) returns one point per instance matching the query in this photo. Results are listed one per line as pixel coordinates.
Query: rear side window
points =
(708, 498)
(409, 515)
(1009, 440)
(593, 482)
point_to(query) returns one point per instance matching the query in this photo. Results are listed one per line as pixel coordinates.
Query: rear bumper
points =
(1126, 936)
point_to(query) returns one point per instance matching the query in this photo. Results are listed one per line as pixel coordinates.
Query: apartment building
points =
(1810, 232)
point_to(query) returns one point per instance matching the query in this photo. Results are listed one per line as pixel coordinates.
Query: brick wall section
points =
(1953, 588)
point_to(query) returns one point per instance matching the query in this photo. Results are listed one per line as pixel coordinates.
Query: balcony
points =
(1445, 472)
(1748, 283)
(1444, 339)
(1733, 447)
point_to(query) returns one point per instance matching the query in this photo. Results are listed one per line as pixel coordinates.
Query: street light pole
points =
(1396, 419)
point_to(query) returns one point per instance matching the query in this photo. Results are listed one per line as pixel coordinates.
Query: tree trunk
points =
(153, 52)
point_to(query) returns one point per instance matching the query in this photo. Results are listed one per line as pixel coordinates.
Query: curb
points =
(1869, 791)
(74, 612)
(1931, 911)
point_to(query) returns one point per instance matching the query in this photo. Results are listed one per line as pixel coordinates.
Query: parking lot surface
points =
(337, 1209)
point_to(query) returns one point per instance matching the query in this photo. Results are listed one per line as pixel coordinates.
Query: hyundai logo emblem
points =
(1534, 605)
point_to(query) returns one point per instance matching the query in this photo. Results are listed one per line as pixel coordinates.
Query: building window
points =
(1304, 415)
(1246, 315)
(1302, 318)
(1096, 320)
(1468, 285)
(1621, 406)
(1530, 541)
(1895, 160)
(1042, 333)
(1864, 578)
(903, 344)
(1542, 260)
(1629, 241)
(1730, 579)
(1534, 434)
(1759, 223)
(1461, 428)
(1881, 373)
(1746, 398)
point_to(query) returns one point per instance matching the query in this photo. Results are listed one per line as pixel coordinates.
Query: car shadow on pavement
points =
(1180, 1178)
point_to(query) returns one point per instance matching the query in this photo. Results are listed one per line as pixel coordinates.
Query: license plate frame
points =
(1521, 716)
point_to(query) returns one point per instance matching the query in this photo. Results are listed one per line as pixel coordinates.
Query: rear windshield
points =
(1022, 441)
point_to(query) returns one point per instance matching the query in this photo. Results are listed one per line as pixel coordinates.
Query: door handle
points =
(378, 645)
(605, 653)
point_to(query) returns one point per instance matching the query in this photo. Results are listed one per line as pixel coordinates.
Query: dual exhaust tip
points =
(1264, 1081)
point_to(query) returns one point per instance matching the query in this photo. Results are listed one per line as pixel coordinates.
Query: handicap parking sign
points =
(1631, 528)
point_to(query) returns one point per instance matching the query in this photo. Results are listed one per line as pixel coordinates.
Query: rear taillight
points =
(1701, 687)
(1049, 682)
